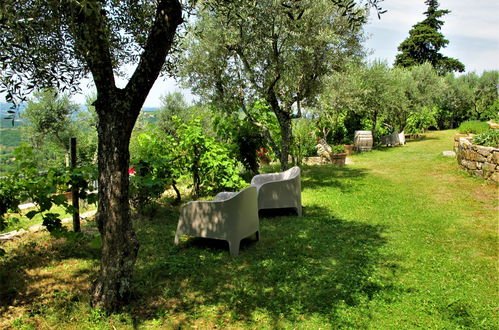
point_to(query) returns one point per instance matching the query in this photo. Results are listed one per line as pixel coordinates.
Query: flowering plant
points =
(131, 171)
(263, 154)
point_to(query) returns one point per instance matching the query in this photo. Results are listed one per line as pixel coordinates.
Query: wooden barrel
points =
(363, 141)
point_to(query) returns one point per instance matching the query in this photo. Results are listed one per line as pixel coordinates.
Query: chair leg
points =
(257, 234)
(234, 247)
(299, 211)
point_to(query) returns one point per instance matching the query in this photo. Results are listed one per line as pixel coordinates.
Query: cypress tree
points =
(425, 41)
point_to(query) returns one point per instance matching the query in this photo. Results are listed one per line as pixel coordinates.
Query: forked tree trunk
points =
(120, 246)
(118, 110)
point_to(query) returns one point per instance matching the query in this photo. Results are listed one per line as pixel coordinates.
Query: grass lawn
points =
(399, 239)
(23, 222)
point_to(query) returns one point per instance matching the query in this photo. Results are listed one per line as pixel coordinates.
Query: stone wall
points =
(477, 160)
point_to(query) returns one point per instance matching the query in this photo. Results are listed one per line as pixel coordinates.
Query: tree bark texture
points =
(120, 245)
(284, 120)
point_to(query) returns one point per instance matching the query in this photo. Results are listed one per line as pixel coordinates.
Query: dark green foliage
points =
(425, 41)
(242, 136)
(249, 139)
(489, 138)
(473, 127)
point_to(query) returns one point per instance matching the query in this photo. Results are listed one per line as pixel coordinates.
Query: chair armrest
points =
(224, 195)
(260, 179)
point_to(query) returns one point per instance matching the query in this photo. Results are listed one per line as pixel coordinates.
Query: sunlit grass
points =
(17, 221)
(400, 239)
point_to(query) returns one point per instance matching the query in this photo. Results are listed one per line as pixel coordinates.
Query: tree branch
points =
(91, 36)
(168, 17)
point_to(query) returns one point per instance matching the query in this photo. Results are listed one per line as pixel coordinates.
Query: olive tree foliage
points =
(364, 89)
(172, 104)
(484, 92)
(50, 120)
(339, 99)
(276, 52)
(468, 97)
(396, 108)
(54, 43)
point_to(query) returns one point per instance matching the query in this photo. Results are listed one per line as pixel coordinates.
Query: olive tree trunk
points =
(120, 245)
(286, 138)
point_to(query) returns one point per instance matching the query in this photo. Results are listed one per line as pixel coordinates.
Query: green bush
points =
(420, 121)
(337, 149)
(489, 138)
(154, 161)
(206, 161)
(473, 127)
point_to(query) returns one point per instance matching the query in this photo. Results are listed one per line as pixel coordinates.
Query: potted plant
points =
(338, 154)
(348, 144)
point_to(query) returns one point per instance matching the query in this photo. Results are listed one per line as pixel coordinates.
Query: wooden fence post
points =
(74, 190)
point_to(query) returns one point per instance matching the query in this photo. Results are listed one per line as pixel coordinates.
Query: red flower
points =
(131, 171)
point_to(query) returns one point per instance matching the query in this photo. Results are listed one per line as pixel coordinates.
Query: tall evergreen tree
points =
(425, 41)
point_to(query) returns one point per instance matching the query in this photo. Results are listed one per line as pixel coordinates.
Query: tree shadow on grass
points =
(302, 266)
(22, 282)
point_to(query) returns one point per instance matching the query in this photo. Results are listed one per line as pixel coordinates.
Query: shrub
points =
(420, 121)
(248, 139)
(489, 138)
(473, 127)
(206, 161)
(44, 189)
(304, 141)
(155, 164)
(337, 149)
(242, 137)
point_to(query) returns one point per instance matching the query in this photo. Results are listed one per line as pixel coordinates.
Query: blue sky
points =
(472, 29)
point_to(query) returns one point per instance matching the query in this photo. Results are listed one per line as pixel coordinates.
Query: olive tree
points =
(54, 43)
(48, 120)
(273, 51)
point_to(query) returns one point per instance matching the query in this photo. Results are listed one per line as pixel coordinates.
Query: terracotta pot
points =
(339, 159)
(349, 149)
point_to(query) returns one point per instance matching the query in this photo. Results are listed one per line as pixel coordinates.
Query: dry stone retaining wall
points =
(480, 161)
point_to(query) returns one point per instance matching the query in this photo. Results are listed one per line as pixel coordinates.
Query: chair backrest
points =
(292, 173)
(233, 196)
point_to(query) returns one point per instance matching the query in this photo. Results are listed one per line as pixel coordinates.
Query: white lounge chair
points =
(393, 139)
(279, 190)
(230, 217)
